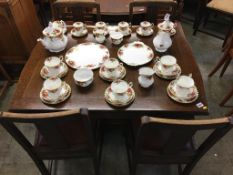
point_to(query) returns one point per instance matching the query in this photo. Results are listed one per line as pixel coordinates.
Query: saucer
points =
(65, 94)
(73, 33)
(44, 73)
(105, 31)
(176, 73)
(162, 27)
(125, 34)
(139, 32)
(120, 74)
(111, 99)
(173, 95)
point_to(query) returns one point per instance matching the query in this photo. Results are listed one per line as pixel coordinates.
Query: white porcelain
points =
(168, 64)
(166, 25)
(124, 28)
(100, 35)
(75, 34)
(145, 82)
(119, 89)
(135, 54)
(54, 39)
(101, 25)
(53, 64)
(184, 86)
(83, 77)
(118, 73)
(116, 37)
(145, 78)
(111, 66)
(140, 32)
(60, 72)
(79, 27)
(64, 94)
(53, 86)
(146, 27)
(60, 24)
(86, 55)
(162, 41)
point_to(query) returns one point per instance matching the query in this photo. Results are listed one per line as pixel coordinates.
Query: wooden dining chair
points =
(60, 135)
(155, 9)
(170, 141)
(76, 10)
(8, 80)
(226, 58)
(205, 7)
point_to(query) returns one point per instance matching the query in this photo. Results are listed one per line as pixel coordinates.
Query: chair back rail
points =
(181, 133)
(76, 11)
(49, 125)
(155, 11)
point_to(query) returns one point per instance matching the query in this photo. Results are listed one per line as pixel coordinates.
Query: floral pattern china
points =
(64, 94)
(87, 55)
(192, 97)
(135, 54)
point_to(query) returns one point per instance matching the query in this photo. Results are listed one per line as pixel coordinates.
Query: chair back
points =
(54, 127)
(76, 10)
(178, 133)
(155, 9)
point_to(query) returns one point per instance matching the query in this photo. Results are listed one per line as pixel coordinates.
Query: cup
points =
(53, 86)
(116, 37)
(146, 27)
(146, 78)
(111, 66)
(101, 25)
(53, 65)
(119, 89)
(79, 27)
(83, 77)
(123, 27)
(168, 64)
(184, 86)
(100, 35)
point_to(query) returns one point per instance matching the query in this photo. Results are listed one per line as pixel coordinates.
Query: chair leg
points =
(206, 18)
(230, 113)
(96, 165)
(180, 169)
(226, 98)
(229, 32)
(219, 64)
(133, 167)
(225, 66)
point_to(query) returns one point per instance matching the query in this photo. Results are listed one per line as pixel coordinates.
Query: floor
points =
(218, 161)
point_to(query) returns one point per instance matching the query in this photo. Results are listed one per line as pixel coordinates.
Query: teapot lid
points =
(50, 31)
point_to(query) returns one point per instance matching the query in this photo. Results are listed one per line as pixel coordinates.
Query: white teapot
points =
(162, 41)
(54, 39)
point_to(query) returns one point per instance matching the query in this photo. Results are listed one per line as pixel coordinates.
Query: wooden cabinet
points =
(19, 30)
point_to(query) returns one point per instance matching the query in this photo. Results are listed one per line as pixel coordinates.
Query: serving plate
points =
(135, 54)
(86, 55)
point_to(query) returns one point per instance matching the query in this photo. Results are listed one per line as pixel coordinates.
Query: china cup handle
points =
(190, 75)
(121, 64)
(152, 25)
(61, 58)
(130, 84)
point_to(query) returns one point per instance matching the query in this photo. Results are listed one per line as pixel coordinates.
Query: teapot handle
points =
(130, 84)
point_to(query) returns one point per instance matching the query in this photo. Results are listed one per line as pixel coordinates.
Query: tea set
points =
(54, 67)
(112, 70)
(120, 93)
(145, 29)
(54, 91)
(167, 25)
(183, 89)
(79, 29)
(166, 67)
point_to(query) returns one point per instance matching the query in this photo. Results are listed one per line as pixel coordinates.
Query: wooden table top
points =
(153, 100)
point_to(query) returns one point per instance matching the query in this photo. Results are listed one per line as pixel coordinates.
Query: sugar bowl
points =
(146, 78)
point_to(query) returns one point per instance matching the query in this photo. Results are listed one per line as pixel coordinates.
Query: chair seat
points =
(221, 5)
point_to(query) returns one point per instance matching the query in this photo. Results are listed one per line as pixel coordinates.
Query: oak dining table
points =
(151, 101)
